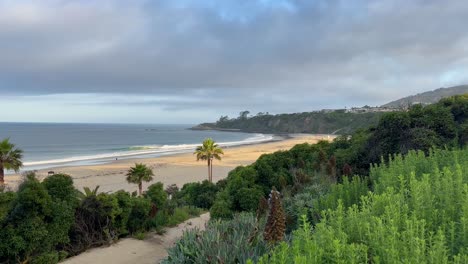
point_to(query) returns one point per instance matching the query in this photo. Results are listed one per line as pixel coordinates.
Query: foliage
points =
(45, 222)
(87, 192)
(121, 221)
(139, 215)
(233, 241)
(418, 213)
(10, 158)
(308, 122)
(170, 219)
(7, 199)
(35, 225)
(248, 198)
(60, 187)
(156, 194)
(201, 195)
(138, 174)
(208, 151)
(222, 206)
(93, 224)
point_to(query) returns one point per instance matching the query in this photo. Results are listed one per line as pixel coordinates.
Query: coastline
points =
(170, 169)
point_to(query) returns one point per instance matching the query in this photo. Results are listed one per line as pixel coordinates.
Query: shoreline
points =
(170, 169)
(150, 152)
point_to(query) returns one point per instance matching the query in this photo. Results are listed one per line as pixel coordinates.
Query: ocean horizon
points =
(48, 145)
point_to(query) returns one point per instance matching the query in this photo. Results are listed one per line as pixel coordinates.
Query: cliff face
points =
(337, 122)
(429, 97)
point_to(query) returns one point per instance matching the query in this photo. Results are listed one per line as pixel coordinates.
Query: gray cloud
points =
(273, 55)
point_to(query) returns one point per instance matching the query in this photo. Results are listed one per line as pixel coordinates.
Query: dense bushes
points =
(157, 195)
(233, 241)
(46, 222)
(418, 213)
(319, 188)
(201, 195)
(6, 202)
(35, 226)
(421, 128)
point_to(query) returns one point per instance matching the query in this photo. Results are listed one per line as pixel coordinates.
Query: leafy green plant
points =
(233, 241)
(416, 214)
(138, 174)
(35, 225)
(156, 194)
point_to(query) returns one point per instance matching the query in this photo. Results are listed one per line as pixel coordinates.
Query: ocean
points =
(48, 145)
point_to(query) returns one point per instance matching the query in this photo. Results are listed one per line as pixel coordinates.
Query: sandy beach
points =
(175, 169)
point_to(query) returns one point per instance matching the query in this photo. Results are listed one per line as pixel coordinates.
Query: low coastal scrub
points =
(233, 241)
(44, 222)
(441, 125)
(418, 213)
(410, 209)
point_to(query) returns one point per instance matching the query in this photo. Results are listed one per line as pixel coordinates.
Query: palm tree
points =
(10, 158)
(138, 174)
(208, 151)
(87, 192)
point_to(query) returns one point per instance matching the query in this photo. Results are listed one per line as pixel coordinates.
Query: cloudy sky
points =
(186, 61)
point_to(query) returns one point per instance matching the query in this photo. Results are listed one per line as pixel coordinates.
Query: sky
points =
(189, 61)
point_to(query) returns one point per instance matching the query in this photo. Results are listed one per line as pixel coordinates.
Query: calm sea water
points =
(49, 145)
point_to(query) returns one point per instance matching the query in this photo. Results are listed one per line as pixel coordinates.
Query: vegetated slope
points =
(337, 121)
(307, 177)
(417, 213)
(429, 97)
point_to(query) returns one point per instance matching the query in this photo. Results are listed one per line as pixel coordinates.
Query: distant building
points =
(369, 109)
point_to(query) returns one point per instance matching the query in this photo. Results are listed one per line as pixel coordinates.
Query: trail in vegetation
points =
(129, 250)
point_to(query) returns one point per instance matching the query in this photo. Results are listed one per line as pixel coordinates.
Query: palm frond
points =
(10, 156)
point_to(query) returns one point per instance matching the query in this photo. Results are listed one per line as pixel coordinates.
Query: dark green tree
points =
(156, 194)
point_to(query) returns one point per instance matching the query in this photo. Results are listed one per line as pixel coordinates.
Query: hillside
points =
(409, 206)
(428, 97)
(335, 122)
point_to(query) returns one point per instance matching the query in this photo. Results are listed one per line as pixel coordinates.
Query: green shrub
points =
(418, 213)
(46, 258)
(35, 225)
(232, 241)
(140, 236)
(179, 216)
(94, 223)
(60, 187)
(6, 202)
(125, 203)
(222, 206)
(197, 194)
(138, 219)
(248, 198)
(156, 194)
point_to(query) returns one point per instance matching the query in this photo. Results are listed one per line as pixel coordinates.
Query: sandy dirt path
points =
(129, 250)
